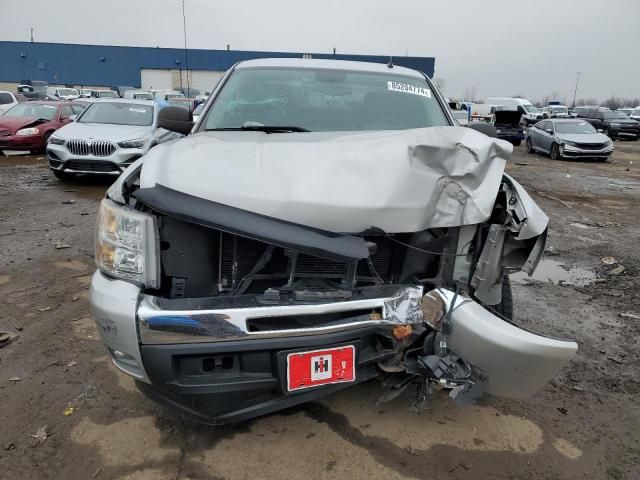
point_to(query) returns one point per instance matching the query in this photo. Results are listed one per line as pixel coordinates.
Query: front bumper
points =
(206, 361)
(570, 151)
(21, 142)
(630, 132)
(61, 159)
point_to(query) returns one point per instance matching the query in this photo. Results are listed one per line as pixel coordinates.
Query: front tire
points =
(505, 308)
(64, 176)
(45, 141)
(529, 146)
(610, 135)
(555, 152)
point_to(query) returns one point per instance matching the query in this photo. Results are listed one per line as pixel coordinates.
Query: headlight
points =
(573, 144)
(28, 131)
(136, 143)
(609, 143)
(126, 244)
(56, 140)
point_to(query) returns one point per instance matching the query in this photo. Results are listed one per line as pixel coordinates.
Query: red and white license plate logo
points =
(320, 367)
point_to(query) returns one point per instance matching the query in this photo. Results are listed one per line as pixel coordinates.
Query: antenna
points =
(390, 64)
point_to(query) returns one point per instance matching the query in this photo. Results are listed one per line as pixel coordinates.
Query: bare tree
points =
(586, 101)
(440, 83)
(612, 102)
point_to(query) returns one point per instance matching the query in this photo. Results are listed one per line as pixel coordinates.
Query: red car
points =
(28, 125)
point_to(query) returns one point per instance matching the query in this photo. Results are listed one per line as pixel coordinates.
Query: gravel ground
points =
(584, 424)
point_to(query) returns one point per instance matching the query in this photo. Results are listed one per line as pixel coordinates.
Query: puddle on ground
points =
(557, 272)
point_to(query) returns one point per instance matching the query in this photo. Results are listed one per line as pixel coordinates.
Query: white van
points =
(139, 94)
(530, 113)
(63, 93)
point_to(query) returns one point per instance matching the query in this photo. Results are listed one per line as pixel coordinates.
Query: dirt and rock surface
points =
(67, 413)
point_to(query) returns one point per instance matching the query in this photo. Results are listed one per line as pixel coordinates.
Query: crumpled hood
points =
(399, 181)
(13, 124)
(98, 131)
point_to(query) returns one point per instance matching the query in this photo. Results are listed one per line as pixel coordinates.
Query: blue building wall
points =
(59, 63)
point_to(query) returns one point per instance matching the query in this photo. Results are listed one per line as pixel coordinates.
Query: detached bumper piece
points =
(217, 383)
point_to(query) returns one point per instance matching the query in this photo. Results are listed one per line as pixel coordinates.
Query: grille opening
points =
(312, 320)
(210, 364)
(88, 166)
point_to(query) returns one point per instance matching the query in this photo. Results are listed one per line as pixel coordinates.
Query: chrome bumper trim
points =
(161, 326)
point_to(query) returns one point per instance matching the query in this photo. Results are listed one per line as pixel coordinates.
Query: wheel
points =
(505, 307)
(529, 146)
(610, 134)
(64, 176)
(555, 152)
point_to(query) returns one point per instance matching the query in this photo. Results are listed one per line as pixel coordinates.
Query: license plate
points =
(320, 367)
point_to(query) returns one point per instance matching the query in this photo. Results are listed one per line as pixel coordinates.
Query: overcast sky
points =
(500, 47)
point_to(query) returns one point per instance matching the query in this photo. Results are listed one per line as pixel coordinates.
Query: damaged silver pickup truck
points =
(323, 223)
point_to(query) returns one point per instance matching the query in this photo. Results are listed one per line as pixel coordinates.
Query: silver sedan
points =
(568, 138)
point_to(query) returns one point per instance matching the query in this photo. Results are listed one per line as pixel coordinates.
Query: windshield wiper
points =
(260, 128)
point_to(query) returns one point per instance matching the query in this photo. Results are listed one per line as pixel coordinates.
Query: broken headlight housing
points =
(126, 244)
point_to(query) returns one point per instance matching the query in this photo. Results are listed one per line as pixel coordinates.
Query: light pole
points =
(186, 55)
(576, 90)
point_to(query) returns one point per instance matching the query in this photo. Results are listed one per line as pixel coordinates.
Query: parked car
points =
(139, 94)
(613, 123)
(324, 223)
(635, 114)
(165, 95)
(555, 111)
(7, 100)
(27, 126)
(122, 89)
(530, 113)
(62, 93)
(484, 112)
(106, 138)
(187, 103)
(508, 125)
(98, 93)
(583, 109)
(568, 138)
(626, 110)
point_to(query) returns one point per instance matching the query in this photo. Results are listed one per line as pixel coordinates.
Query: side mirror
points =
(549, 130)
(175, 119)
(483, 127)
(600, 130)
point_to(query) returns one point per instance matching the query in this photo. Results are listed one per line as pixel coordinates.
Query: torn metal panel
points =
(405, 307)
(252, 225)
(487, 277)
(535, 221)
(407, 181)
